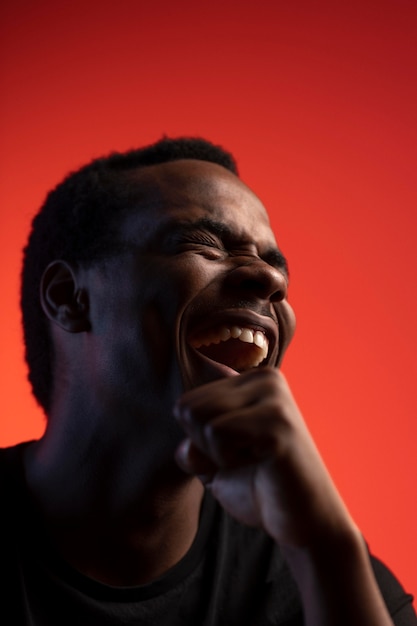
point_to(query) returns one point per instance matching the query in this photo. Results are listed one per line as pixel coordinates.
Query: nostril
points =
(259, 288)
(260, 279)
(278, 295)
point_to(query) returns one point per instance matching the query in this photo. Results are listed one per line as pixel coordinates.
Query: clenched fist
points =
(248, 442)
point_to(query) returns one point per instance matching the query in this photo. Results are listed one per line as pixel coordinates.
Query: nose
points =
(255, 277)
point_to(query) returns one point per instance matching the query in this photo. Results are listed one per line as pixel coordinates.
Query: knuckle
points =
(279, 429)
(270, 379)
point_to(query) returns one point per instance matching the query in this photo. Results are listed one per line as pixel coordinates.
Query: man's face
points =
(200, 295)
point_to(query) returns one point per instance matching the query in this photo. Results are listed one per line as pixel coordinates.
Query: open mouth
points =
(238, 347)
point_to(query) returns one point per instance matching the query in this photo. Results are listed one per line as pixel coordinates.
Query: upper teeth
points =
(247, 335)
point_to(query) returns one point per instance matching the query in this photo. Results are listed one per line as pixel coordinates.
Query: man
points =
(176, 482)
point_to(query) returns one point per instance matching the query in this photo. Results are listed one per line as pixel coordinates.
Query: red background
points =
(318, 100)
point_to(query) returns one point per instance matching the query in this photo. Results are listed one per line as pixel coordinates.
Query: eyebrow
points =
(273, 256)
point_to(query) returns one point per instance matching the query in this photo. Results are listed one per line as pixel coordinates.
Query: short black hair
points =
(75, 224)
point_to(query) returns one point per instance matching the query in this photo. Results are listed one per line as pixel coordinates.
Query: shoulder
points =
(12, 482)
(399, 602)
(11, 461)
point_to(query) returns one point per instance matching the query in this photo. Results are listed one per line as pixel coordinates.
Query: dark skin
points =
(141, 419)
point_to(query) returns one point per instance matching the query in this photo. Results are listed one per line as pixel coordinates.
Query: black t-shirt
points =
(231, 576)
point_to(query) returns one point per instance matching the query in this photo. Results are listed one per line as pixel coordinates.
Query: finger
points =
(213, 398)
(193, 461)
(249, 429)
(227, 395)
(243, 437)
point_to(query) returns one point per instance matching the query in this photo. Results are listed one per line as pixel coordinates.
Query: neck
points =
(121, 514)
(137, 551)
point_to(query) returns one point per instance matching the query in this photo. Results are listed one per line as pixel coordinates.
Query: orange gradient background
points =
(318, 101)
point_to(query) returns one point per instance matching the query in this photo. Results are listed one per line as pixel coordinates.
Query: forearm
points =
(337, 583)
(247, 437)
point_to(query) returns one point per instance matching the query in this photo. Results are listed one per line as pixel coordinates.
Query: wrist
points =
(336, 581)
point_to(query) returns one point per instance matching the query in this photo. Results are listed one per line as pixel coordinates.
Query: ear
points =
(62, 301)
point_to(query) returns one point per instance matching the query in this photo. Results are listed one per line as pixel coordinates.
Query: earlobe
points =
(62, 301)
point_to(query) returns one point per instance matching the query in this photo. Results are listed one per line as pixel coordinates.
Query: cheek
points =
(157, 339)
(163, 303)
(145, 318)
(173, 285)
(193, 273)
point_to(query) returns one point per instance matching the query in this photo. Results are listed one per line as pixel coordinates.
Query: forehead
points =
(187, 191)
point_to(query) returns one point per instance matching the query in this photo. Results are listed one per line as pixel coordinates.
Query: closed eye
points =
(200, 238)
(197, 241)
(214, 240)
